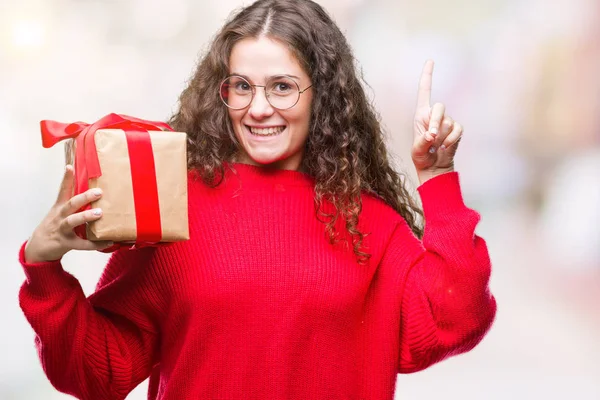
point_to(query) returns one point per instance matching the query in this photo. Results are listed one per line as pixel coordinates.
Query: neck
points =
(291, 164)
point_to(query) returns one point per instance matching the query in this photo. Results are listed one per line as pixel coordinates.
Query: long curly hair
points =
(345, 151)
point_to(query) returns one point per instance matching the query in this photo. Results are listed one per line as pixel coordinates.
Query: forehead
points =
(262, 57)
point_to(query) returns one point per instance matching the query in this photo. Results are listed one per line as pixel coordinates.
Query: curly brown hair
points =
(345, 151)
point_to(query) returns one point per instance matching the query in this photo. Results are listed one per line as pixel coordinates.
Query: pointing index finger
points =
(424, 96)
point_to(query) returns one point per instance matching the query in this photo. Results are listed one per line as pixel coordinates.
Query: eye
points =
(282, 87)
(242, 86)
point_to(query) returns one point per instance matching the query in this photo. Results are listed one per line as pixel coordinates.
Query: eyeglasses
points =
(281, 91)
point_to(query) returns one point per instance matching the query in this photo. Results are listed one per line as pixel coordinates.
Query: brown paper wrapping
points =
(118, 221)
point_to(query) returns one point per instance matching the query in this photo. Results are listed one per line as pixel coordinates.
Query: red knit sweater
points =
(259, 305)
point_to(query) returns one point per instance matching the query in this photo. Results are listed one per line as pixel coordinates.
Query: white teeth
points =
(267, 131)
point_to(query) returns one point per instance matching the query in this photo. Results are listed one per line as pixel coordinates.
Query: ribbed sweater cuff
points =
(45, 278)
(441, 194)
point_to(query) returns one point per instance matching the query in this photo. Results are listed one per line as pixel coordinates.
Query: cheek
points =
(301, 114)
(302, 120)
(234, 126)
(235, 117)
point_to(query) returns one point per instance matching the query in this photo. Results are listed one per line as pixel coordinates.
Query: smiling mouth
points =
(271, 131)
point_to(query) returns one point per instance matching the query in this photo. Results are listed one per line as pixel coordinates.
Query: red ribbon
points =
(141, 157)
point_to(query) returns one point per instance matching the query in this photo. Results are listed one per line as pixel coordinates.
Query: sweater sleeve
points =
(99, 347)
(446, 306)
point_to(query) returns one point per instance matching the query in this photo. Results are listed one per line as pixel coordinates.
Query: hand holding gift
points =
(55, 235)
(140, 170)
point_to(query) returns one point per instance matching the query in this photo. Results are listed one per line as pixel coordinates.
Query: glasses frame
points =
(265, 89)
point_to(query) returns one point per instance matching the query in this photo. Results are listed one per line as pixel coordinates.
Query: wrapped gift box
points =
(142, 174)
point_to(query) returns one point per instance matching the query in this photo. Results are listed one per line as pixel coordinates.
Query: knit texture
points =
(258, 304)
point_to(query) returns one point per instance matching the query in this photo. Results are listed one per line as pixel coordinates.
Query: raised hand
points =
(436, 134)
(54, 236)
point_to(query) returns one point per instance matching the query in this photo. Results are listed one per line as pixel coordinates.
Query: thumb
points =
(66, 186)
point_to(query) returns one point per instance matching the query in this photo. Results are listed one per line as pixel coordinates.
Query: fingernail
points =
(443, 147)
(97, 211)
(432, 149)
(433, 131)
(109, 244)
(428, 137)
(96, 192)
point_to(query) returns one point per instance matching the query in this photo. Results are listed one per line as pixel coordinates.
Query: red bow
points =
(87, 166)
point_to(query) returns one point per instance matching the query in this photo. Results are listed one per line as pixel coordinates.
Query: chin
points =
(266, 159)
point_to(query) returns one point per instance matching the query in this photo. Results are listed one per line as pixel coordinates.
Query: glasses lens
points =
(236, 92)
(283, 92)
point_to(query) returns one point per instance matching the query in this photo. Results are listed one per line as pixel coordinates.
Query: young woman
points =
(307, 275)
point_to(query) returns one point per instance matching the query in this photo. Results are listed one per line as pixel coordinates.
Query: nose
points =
(260, 107)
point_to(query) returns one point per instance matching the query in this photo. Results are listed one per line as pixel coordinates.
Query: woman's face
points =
(269, 136)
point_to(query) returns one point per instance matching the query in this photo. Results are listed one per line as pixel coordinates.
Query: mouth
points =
(266, 131)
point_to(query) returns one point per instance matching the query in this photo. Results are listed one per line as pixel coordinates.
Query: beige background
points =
(520, 75)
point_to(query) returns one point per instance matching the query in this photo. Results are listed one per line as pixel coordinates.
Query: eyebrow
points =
(266, 77)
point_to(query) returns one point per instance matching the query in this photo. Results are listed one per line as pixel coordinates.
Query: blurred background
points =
(522, 76)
